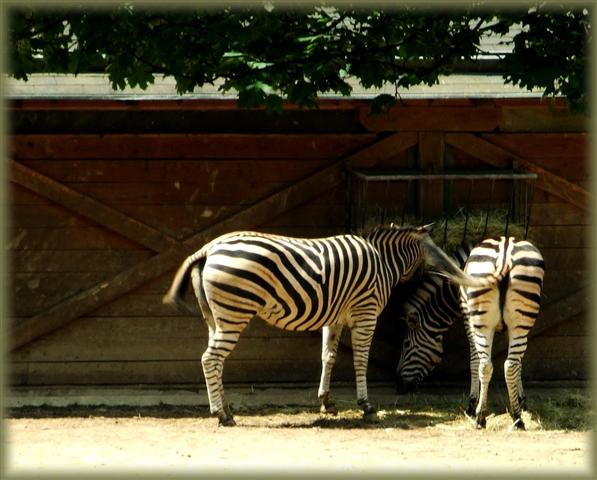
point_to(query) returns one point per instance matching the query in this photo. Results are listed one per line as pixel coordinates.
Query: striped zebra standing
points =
(302, 285)
(513, 303)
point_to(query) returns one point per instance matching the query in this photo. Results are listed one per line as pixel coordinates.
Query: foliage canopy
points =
(269, 54)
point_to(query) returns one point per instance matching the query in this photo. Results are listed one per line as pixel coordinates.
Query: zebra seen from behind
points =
(512, 303)
(303, 285)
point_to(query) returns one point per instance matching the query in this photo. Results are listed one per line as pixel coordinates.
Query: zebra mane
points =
(371, 231)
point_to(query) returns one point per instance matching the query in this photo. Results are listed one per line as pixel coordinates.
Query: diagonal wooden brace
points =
(497, 156)
(74, 307)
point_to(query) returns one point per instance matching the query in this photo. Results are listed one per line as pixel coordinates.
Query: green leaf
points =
(382, 103)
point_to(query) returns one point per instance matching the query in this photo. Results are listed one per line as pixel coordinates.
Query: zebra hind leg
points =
(512, 372)
(485, 371)
(484, 340)
(361, 337)
(221, 344)
(226, 418)
(522, 398)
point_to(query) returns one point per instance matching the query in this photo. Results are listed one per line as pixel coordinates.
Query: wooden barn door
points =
(99, 222)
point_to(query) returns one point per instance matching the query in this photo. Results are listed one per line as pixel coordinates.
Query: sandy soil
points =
(289, 440)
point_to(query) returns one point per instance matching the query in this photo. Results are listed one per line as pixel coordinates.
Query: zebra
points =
(303, 284)
(512, 303)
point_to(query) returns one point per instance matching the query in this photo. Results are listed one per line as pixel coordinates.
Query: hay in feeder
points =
(479, 227)
(476, 228)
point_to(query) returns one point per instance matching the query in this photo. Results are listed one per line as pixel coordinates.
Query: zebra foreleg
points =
(361, 337)
(330, 341)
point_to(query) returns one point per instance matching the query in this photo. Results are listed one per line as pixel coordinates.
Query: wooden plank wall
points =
(183, 168)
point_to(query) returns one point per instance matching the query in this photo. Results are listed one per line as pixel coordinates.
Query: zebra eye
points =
(413, 321)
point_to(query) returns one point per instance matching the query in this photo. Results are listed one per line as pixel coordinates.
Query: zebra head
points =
(429, 311)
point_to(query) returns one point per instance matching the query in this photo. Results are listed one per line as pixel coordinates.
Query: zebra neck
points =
(390, 271)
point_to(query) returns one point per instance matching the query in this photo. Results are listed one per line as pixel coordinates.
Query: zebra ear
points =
(426, 228)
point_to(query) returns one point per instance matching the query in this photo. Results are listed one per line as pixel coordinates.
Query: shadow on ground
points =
(549, 410)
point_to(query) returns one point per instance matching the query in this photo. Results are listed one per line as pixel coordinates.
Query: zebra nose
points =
(404, 386)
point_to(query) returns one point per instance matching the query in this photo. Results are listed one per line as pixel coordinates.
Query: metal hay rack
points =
(382, 197)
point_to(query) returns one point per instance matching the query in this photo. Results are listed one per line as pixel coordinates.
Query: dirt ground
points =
(422, 433)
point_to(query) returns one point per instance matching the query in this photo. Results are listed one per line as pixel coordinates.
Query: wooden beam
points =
(210, 146)
(497, 156)
(54, 318)
(479, 148)
(541, 120)
(99, 104)
(95, 104)
(470, 118)
(88, 207)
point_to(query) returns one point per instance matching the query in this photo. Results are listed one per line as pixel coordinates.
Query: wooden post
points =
(430, 194)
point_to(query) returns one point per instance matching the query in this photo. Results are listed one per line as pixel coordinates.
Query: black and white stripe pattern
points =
(302, 284)
(429, 312)
(513, 302)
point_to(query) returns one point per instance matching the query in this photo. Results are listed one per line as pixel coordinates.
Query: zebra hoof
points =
(517, 425)
(481, 423)
(226, 420)
(328, 406)
(369, 412)
(329, 409)
(370, 417)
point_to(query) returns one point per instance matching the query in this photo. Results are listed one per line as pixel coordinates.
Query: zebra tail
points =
(444, 266)
(467, 280)
(180, 284)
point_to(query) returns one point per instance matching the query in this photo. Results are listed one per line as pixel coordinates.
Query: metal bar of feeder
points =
(382, 177)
